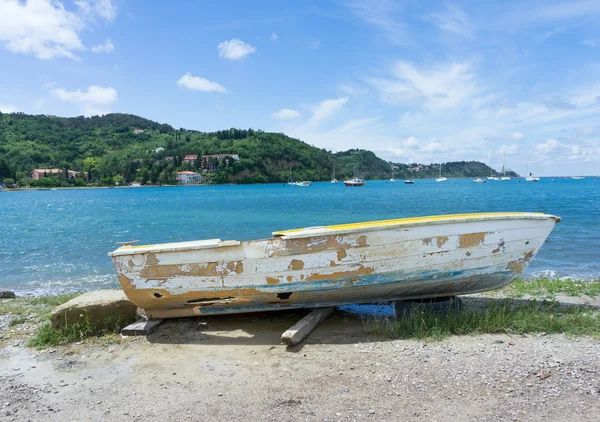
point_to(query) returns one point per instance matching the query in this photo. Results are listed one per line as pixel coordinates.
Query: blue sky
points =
(412, 81)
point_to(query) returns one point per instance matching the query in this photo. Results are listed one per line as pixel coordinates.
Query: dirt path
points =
(233, 368)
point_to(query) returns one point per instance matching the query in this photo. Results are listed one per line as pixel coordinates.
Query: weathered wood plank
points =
(303, 327)
(142, 327)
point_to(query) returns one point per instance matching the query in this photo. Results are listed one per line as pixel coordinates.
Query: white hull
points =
(334, 265)
(441, 179)
(532, 179)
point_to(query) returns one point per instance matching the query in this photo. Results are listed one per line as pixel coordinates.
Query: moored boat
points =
(304, 183)
(409, 182)
(479, 180)
(355, 181)
(440, 178)
(333, 265)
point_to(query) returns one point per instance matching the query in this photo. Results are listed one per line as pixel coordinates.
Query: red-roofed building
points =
(39, 173)
(190, 159)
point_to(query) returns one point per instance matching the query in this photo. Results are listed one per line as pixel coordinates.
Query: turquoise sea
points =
(56, 241)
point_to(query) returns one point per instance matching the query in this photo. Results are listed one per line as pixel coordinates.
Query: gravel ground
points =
(233, 368)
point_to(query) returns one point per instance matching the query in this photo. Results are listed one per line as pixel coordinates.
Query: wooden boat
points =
(333, 265)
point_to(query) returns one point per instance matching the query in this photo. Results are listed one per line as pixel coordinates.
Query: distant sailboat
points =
(577, 177)
(492, 177)
(290, 181)
(355, 181)
(334, 180)
(530, 178)
(392, 179)
(504, 176)
(440, 178)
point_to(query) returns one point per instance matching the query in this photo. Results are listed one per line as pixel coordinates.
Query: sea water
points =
(57, 241)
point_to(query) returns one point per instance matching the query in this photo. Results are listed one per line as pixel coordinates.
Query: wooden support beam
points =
(142, 327)
(303, 327)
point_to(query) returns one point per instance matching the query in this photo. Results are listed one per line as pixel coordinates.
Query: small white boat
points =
(493, 178)
(355, 181)
(440, 178)
(505, 178)
(577, 177)
(334, 180)
(479, 180)
(409, 182)
(303, 184)
(392, 180)
(368, 262)
(530, 178)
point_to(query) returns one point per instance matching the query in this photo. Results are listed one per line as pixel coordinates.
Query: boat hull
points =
(362, 263)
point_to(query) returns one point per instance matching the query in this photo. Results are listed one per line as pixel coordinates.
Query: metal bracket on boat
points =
(131, 242)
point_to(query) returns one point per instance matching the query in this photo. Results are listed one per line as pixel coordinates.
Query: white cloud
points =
(454, 20)
(285, 114)
(199, 84)
(548, 146)
(46, 28)
(383, 15)
(274, 36)
(8, 108)
(328, 108)
(102, 8)
(106, 47)
(93, 95)
(442, 87)
(235, 49)
(592, 42)
(352, 125)
(517, 135)
(411, 142)
(93, 111)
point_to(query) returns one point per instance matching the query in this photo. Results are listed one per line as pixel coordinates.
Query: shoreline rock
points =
(7, 294)
(98, 306)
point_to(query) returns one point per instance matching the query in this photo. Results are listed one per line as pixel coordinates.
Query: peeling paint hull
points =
(334, 265)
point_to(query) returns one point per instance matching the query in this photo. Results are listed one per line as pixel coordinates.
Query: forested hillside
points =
(121, 148)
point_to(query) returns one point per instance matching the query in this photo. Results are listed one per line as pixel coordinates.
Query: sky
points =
(413, 81)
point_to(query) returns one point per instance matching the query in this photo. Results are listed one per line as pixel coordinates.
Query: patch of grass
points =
(17, 320)
(498, 317)
(39, 307)
(47, 336)
(549, 288)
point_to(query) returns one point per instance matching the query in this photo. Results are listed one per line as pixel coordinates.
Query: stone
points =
(7, 294)
(98, 306)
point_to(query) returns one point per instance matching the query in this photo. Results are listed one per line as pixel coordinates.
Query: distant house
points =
(210, 163)
(40, 173)
(159, 149)
(138, 132)
(190, 159)
(135, 184)
(188, 177)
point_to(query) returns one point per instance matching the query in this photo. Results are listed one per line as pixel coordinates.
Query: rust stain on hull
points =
(470, 240)
(519, 265)
(441, 241)
(296, 264)
(359, 272)
(273, 280)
